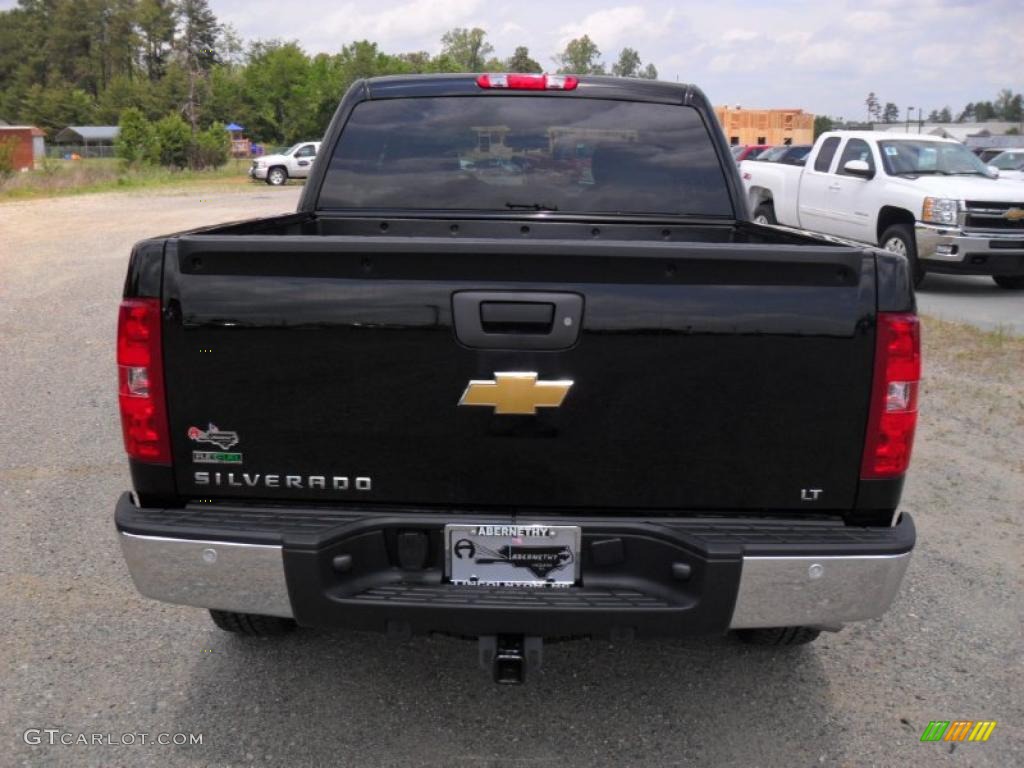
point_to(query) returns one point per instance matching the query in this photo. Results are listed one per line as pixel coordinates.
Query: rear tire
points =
(277, 176)
(765, 214)
(1015, 283)
(251, 624)
(899, 238)
(778, 635)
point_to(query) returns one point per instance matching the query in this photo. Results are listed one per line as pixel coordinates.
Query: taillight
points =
(141, 382)
(893, 414)
(529, 82)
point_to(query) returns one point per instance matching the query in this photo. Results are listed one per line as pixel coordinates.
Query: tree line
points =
(88, 62)
(1007, 106)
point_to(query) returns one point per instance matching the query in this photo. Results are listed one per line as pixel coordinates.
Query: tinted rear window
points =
(502, 153)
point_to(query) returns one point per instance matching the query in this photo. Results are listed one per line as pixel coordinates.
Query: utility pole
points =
(909, 110)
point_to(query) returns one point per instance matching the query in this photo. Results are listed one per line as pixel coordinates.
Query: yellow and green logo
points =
(958, 730)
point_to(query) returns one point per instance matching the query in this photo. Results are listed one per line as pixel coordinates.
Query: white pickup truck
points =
(924, 197)
(294, 163)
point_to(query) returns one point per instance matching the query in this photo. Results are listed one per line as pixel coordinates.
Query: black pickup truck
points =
(519, 368)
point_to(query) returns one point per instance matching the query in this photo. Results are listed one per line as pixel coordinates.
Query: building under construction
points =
(766, 126)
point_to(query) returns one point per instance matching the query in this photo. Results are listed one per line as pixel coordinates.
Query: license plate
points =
(513, 555)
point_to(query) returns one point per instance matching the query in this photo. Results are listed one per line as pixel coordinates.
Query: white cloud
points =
(612, 28)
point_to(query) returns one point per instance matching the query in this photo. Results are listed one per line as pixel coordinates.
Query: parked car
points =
(436, 402)
(985, 154)
(1010, 164)
(741, 152)
(296, 162)
(926, 198)
(792, 154)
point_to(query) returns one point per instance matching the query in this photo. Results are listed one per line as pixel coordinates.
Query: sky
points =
(822, 56)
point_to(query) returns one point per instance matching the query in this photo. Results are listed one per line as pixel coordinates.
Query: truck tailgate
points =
(729, 377)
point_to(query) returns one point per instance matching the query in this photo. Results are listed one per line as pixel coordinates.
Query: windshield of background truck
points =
(502, 153)
(914, 158)
(1008, 161)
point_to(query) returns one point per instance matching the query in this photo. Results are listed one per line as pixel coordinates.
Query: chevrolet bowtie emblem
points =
(512, 393)
(1015, 214)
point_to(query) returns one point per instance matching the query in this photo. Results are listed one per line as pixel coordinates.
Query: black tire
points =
(766, 211)
(251, 624)
(904, 233)
(277, 176)
(778, 635)
(1014, 283)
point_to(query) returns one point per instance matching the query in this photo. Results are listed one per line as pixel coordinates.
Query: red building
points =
(29, 146)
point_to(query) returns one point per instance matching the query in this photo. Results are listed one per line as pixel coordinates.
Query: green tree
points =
(580, 57)
(275, 93)
(520, 61)
(124, 92)
(1008, 106)
(211, 148)
(967, 115)
(890, 113)
(56, 107)
(984, 110)
(628, 64)
(945, 115)
(823, 124)
(136, 141)
(466, 48)
(173, 139)
(417, 61)
(874, 109)
(155, 21)
(196, 47)
(225, 101)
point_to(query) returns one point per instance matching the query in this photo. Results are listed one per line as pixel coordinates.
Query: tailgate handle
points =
(517, 319)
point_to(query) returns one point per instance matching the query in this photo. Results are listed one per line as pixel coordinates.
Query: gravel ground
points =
(83, 653)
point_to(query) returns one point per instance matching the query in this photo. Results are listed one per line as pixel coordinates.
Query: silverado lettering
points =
(275, 481)
(686, 422)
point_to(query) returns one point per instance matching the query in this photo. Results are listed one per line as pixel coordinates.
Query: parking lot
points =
(82, 652)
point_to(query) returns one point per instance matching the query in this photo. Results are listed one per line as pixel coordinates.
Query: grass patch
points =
(72, 177)
(998, 353)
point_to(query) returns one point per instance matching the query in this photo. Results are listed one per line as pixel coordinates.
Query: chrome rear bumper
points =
(247, 578)
(816, 591)
(773, 591)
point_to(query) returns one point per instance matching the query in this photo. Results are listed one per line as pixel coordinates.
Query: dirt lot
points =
(83, 653)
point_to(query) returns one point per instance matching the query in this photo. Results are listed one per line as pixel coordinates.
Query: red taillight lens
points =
(529, 82)
(893, 414)
(141, 382)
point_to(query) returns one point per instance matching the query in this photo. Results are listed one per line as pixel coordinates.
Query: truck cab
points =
(926, 198)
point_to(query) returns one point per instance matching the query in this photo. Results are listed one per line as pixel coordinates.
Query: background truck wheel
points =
(778, 635)
(899, 238)
(277, 176)
(1009, 283)
(251, 623)
(765, 214)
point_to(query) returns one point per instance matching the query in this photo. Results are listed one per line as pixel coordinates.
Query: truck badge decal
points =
(216, 457)
(214, 435)
(515, 393)
(1014, 214)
